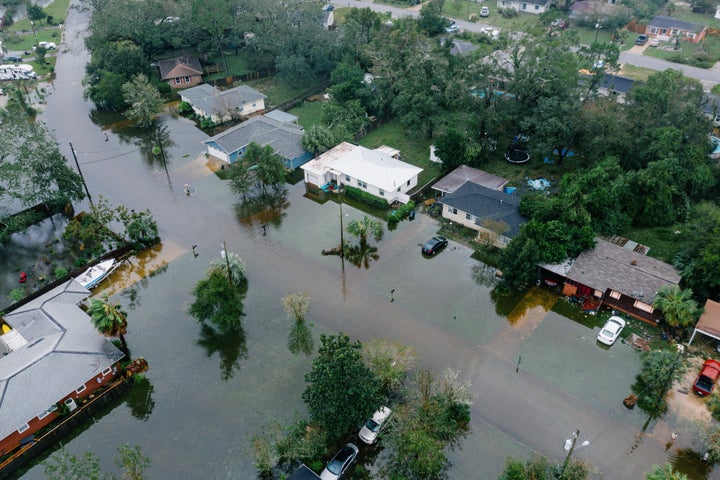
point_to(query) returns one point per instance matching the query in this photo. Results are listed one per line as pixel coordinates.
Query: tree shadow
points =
(300, 339)
(139, 399)
(361, 255)
(230, 346)
(264, 208)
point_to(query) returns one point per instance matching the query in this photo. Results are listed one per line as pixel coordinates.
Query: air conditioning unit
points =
(70, 403)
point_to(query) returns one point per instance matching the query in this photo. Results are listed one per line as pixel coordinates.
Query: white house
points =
(378, 172)
(223, 105)
(528, 6)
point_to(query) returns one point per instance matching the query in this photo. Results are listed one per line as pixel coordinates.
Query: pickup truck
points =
(705, 381)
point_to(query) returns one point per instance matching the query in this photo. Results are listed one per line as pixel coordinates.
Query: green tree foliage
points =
(143, 99)
(113, 64)
(64, 465)
(109, 319)
(33, 169)
(431, 20)
(318, 139)
(233, 268)
(659, 369)
(141, 229)
(284, 445)
(437, 416)
(699, 264)
(365, 227)
(389, 362)
(341, 390)
(347, 120)
(269, 167)
(361, 26)
(540, 468)
(218, 302)
(711, 438)
(677, 305)
(452, 149)
(665, 472)
(215, 18)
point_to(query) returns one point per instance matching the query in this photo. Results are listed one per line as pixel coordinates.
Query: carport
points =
(709, 322)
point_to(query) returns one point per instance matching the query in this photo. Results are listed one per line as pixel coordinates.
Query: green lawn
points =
(636, 73)
(308, 113)
(276, 91)
(688, 51)
(58, 10)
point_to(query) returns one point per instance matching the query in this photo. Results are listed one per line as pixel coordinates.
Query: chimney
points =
(633, 263)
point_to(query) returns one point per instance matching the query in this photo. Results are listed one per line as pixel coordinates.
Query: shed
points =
(462, 174)
(709, 322)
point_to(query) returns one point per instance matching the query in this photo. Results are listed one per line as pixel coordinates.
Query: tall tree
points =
(389, 361)
(365, 227)
(659, 369)
(677, 305)
(216, 18)
(232, 267)
(218, 302)
(109, 319)
(143, 99)
(318, 139)
(341, 390)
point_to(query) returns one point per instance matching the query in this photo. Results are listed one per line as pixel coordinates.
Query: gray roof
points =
(611, 266)
(487, 204)
(461, 47)
(455, 179)
(616, 83)
(284, 138)
(281, 116)
(60, 351)
(213, 100)
(669, 22)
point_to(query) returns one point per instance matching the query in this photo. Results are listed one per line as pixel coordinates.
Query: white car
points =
(484, 11)
(452, 28)
(611, 330)
(340, 463)
(371, 429)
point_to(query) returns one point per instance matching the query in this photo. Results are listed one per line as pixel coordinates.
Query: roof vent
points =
(633, 263)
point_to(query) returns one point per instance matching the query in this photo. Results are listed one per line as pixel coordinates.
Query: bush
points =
(365, 197)
(714, 406)
(508, 12)
(60, 272)
(401, 213)
(184, 109)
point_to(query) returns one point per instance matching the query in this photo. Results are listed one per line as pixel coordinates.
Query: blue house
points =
(284, 137)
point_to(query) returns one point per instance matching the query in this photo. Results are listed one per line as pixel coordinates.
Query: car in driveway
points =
(434, 245)
(484, 11)
(611, 330)
(705, 381)
(641, 40)
(369, 432)
(453, 28)
(340, 463)
(13, 58)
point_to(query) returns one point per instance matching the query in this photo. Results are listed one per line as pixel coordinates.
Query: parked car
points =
(46, 45)
(655, 42)
(484, 11)
(641, 40)
(705, 381)
(329, 7)
(452, 28)
(434, 245)
(13, 58)
(611, 330)
(340, 463)
(559, 23)
(369, 432)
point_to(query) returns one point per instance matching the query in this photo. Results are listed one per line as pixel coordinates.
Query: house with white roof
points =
(379, 172)
(50, 354)
(223, 105)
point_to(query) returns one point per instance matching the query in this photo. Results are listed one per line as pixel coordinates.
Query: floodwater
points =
(536, 378)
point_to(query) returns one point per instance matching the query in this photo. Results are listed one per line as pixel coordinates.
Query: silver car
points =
(369, 432)
(340, 463)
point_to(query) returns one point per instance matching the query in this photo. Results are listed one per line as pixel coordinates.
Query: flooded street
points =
(537, 376)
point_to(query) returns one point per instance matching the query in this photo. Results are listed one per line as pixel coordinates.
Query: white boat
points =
(93, 275)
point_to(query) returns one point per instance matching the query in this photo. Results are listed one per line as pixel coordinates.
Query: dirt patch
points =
(682, 401)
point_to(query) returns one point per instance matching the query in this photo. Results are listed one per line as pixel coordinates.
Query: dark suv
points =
(13, 58)
(641, 40)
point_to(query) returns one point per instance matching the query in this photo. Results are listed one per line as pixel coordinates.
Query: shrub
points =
(184, 109)
(714, 406)
(365, 197)
(508, 12)
(401, 213)
(60, 272)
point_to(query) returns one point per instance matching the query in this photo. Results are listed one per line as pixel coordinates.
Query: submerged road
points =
(200, 425)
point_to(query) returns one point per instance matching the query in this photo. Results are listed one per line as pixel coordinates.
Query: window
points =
(643, 306)
(347, 178)
(23, 428)
(254, 104)
(597, 294)
(524, 6)
(468, 216)
(106, 371)
(47, 412)
(537, 7)
(382, 193)
(80, 389)
(187, 79)
(615, 295)
(408, 183)
(362, 184)
(452, 210)
(178, 81)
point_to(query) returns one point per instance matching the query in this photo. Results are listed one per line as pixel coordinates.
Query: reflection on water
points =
(483, 275)
(300, 339)
(266, 208)
(139, 399)
(535, 297)
(361, 255)
(138, 268)
(505, 302)
(690, 463)
(230, 346)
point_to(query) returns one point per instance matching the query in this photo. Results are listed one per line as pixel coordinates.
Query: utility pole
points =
(227, 261)
(162, 154)
(342, 237)
(82, 177)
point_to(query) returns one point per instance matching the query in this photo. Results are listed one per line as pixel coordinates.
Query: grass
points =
(415, 149)
(308, 113)
(636, 73)
(276, 91)
(688, 51)
(664, 243)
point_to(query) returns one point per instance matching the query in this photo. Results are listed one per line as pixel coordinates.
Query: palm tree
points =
(363, 228)
(236, 266)
(677, 306)
(109, 319)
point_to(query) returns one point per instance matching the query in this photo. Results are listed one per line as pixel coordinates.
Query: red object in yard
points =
(23, 277)
(705, 381)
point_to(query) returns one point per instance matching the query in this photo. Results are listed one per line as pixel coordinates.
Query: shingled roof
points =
(623, 270)
(179, 67)
(455, 179)
(284, 138)
(54, 349)
(212, 100)
(669, 22)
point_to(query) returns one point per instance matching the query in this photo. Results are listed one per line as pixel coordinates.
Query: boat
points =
(94, 275)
